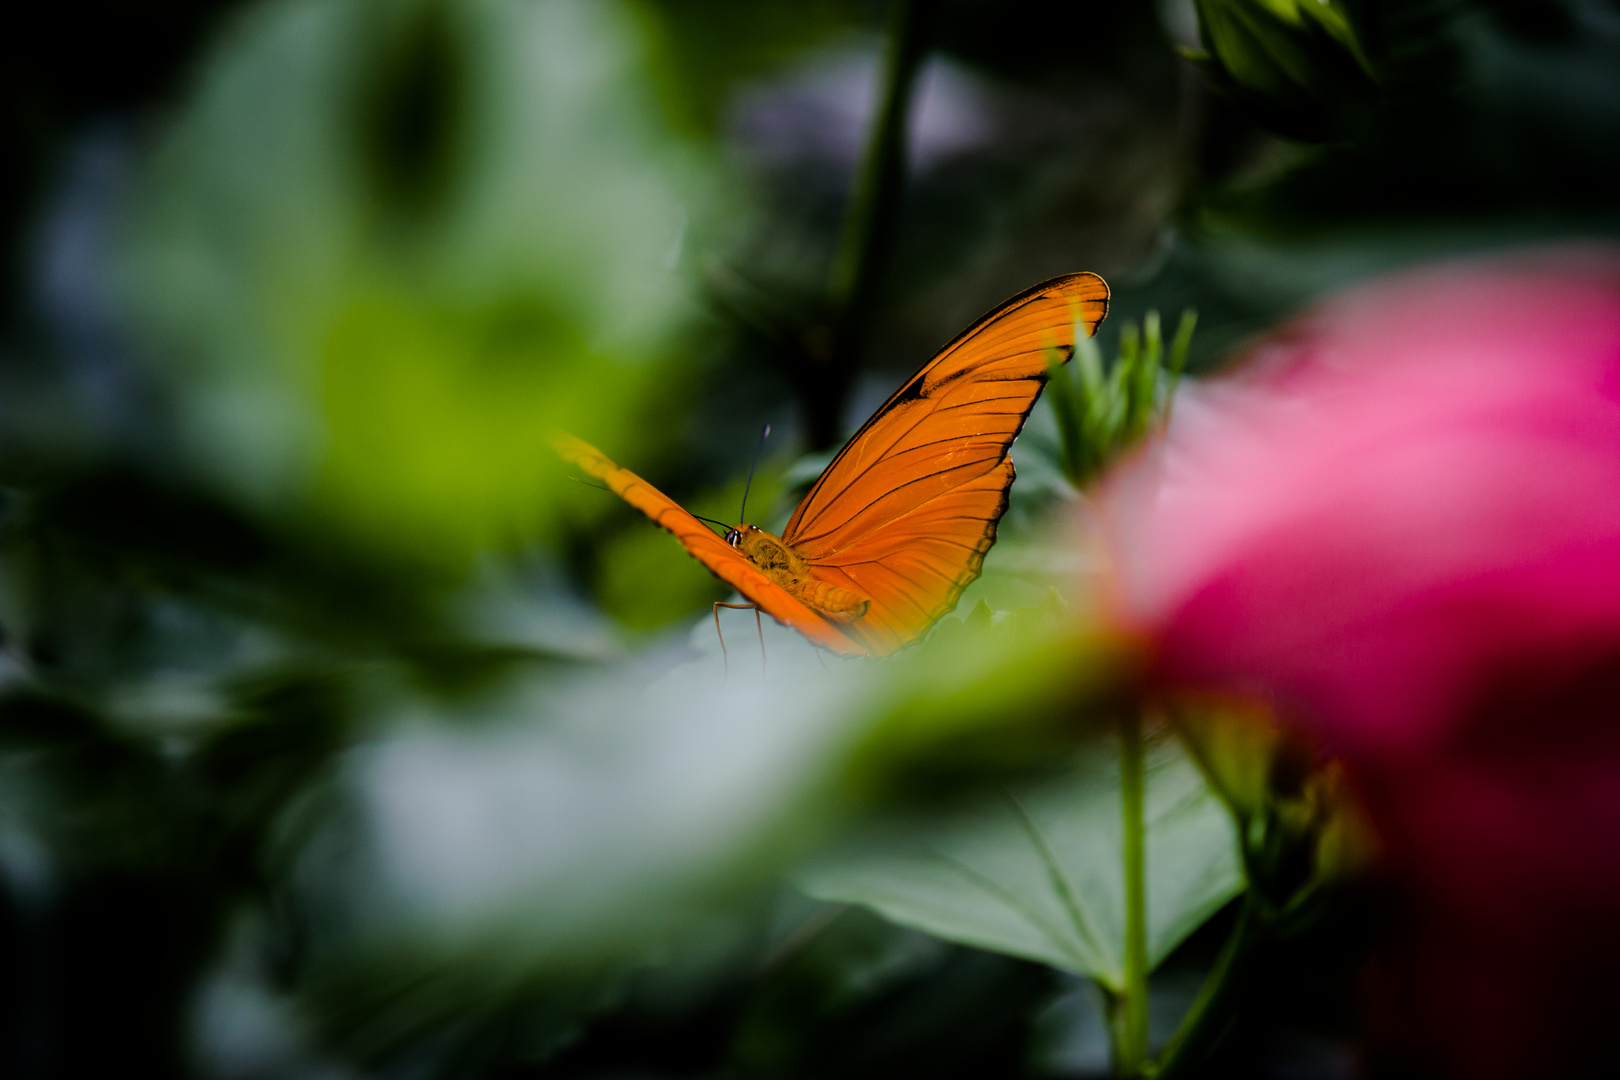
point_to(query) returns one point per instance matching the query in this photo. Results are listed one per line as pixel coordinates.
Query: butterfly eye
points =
(732, 536)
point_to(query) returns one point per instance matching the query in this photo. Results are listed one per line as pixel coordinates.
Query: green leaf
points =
(1298, 67)
(1178, 347)
(1060, 391)
(369, 330)
(1038, 874)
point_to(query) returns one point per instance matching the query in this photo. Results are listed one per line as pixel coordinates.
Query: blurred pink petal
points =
(1401, 522)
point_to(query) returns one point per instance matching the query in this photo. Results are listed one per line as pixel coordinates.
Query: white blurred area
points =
(565, 819)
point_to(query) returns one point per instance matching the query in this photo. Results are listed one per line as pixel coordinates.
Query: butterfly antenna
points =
(711, 521)
(763, 435)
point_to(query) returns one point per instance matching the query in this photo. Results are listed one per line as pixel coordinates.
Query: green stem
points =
(1211, 1013)
(871, 223)
(1131, 1046)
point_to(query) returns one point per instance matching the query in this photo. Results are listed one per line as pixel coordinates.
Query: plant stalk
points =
(872, 221)
(1131, 1047)
(1212, 1012)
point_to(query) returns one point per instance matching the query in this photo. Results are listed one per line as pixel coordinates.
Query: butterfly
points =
(899, 523)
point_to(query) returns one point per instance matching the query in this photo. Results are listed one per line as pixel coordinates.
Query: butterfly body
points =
(791, 570)
(899, 523)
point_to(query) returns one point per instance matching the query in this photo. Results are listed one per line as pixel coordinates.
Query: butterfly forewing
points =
(700, 541)
(906, 511)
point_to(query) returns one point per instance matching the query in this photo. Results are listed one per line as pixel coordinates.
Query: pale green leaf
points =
(1037, 873)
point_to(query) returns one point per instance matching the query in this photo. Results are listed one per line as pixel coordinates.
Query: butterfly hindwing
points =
(913, 571)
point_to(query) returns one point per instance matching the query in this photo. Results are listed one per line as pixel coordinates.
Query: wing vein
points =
(993, 461)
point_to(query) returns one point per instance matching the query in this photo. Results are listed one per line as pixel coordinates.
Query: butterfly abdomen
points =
(839, 605)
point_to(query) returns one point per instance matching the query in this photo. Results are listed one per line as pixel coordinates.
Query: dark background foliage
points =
(185, 670)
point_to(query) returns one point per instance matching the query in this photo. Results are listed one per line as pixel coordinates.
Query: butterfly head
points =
(736, 536)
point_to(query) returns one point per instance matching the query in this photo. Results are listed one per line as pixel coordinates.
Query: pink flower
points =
(1401, 522)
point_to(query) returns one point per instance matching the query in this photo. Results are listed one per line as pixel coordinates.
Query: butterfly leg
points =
(760, 626)
(725, 657)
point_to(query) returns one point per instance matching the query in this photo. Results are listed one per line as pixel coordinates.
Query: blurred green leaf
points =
(990, 695)
(1037, 873)
(1297, 65)
(649, 581)
(545, 837)
(385, 248)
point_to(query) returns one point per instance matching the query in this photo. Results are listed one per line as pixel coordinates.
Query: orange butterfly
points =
(898, 525)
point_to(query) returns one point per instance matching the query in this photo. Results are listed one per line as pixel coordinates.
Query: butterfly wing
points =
(908, 508)
(704, 546)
